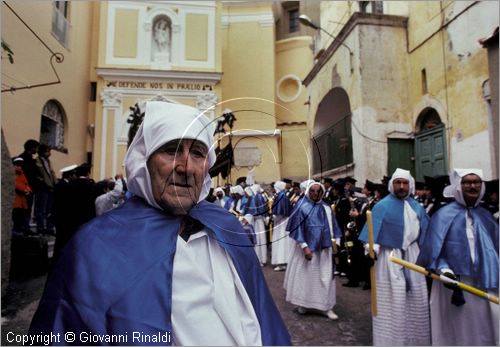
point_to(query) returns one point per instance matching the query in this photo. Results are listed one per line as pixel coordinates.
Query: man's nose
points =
(182, 163)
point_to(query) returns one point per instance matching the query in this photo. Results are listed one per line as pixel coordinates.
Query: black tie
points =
(189, 226)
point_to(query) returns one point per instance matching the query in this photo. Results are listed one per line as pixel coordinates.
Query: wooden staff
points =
(271, 221)
(444, 279)
(371, 253)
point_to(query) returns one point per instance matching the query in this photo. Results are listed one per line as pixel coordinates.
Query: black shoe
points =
(351, 284)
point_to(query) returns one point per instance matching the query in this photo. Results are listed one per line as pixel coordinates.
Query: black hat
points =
(287, 180)
(420, 185)
(83, 170)
(328, 180)
(349, 179)
(241, 179)
(436, 184)
(339, 185)
(18, 161)
(385, 180)
(296, 184)
(491, 186)
(381, 188)
(370, 186)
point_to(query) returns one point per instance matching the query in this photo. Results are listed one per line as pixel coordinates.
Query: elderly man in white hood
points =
(398, 222)
(166, 264)
(462, 243)
(309, 280)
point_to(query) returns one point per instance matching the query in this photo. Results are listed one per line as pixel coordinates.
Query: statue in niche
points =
(160, 47)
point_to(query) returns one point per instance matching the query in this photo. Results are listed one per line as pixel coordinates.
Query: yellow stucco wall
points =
(455, 82)
(248, 83)
(196, 42)
(125, 37)
(21, 110)
(293, 62)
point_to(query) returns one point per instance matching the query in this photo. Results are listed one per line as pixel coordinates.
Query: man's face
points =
(220, 195)
(177, 170)
(348, 185)
(315, 192)
(366, 191)
(46, 154)
(471, 188)
(401, 187)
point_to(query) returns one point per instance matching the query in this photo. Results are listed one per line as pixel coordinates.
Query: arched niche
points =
(332, 141)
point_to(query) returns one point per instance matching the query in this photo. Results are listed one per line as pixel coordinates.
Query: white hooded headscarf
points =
(305, 184)
(237, 189)
(279, 186)
(314, 183)
(219, 189)
(454, 190)
(400, 173)
(164, 122)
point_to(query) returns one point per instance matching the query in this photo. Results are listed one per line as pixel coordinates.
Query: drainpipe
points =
(449, 126)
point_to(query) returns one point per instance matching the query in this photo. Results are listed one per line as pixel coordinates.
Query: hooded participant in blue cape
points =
(281, 204)
(402, 296)
(446, 245)
(115, 276)
(388, 227)
(256, 205)
(306, 224)
(462, 243)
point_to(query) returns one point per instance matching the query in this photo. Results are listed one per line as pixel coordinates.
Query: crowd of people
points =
(179, 256)
(318, 231)
(58, 206)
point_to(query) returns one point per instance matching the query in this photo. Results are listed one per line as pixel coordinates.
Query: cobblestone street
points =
(353, 328)
(353, 308)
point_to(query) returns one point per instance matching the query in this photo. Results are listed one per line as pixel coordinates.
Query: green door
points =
(430, 153)
(401, 155)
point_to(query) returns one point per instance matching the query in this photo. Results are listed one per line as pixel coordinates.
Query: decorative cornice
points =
(264, 19)
(191, 76)
(357, 18)
(255, 132)
(284, 124)
(111, 98)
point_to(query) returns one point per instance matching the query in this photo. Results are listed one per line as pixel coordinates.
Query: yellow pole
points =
(271, 221)
(444, 279)
(372, 269)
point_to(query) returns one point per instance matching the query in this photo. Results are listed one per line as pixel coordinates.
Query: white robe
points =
(261, 239)
(207, 293)
(473, 324)
(310, 283)
(281, 243)
(403, 316)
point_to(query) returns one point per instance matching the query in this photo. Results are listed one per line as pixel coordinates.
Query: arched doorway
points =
(430, 145)
(332, 140)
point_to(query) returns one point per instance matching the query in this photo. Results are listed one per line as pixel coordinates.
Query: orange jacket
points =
(22, 190)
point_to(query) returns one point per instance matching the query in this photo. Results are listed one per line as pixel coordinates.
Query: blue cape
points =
(388, 221)
(115, 275)
(308, 223)
(256, 206)
(281, 205)
(446, 245)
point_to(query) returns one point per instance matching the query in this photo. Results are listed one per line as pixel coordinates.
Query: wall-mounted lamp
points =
(91, 130)
(305, 20)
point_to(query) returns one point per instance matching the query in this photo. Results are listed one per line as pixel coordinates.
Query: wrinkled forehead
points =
(315, 188)
(400, 180)
(471, 177)
(181, 143)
